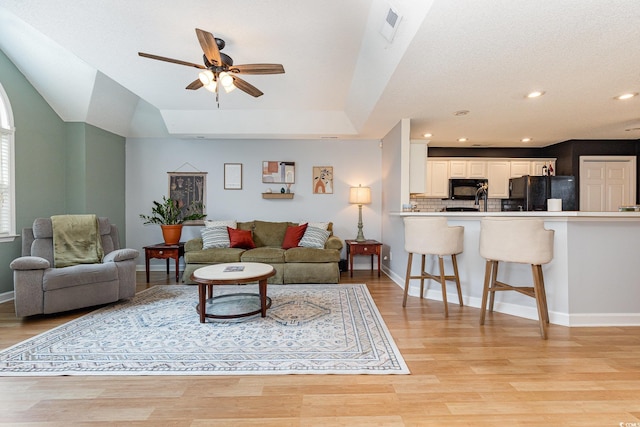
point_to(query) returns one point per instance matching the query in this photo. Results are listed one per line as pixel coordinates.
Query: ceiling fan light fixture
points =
(225, 79)
(211, 86)
(229, 88)
(206, 77)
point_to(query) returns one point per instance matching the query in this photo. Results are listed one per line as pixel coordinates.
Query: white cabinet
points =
(437, 179)
(498, 173)
(536, 166)
(520, 168)
(458, 168)
(476, 169)
(417, 163)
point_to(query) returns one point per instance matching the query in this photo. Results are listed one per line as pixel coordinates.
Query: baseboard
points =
(6, 296)
(555, 318)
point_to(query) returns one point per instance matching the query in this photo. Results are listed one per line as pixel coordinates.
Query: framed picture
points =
(323, 180)
(187, 188)
(278, 172)
(233, 176)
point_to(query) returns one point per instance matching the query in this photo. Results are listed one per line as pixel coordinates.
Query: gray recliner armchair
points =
(40, 288)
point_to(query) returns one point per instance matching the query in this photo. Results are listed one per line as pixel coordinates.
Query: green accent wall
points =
(60, 167)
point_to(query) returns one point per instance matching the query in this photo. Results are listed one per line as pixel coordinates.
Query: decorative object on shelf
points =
(268, 191)
(360, 196)
(323, 180)
(278, 172)
(171, 217)
(288, 189)
(282, 190)
(233, 176)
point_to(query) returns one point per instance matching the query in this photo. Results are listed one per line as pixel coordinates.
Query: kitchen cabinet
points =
(520, 168)
(536, 166)
(476, 169)
(498, 174)
(437, 179)
(457, 168)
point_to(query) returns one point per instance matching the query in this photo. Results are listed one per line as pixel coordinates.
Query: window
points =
(7, 192)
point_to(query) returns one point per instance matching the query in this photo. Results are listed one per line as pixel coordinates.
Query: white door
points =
(607, 182)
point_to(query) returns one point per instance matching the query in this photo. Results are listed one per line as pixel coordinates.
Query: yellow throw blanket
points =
(76, 240)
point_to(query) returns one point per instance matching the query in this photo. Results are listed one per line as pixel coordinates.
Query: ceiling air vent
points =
(390, 24)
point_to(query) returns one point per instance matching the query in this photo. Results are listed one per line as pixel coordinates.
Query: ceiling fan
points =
(218, 69)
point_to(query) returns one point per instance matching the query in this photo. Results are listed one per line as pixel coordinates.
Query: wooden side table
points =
(164, 251)
(367, 247)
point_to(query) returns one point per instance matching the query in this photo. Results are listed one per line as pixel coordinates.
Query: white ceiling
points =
(343, 79)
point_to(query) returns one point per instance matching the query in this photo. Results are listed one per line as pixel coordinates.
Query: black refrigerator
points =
(532, 192)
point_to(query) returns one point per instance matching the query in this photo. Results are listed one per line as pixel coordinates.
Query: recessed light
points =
(535, 94)
(626, 96)
(526, 140)
(462, 139)
(461, 113)
(427, 135)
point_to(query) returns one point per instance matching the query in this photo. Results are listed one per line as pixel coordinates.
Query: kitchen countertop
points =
(562, 215)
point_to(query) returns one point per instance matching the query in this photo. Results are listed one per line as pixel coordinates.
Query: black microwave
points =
(465, 189)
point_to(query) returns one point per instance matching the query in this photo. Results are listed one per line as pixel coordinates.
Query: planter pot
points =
(171, 233)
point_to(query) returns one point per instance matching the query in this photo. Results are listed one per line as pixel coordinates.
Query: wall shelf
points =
(277, 195)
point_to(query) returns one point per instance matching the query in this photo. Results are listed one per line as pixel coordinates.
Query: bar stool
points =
(432, 236)
(523, 241)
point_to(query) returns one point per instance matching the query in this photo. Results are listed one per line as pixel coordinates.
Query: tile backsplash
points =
(424, 204)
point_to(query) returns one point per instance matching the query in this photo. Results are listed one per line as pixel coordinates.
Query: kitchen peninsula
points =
(593, 279)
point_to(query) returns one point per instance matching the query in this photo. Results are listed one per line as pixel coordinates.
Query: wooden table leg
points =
(146, 263)
(177, 266)
(263, 296)
(203, 301)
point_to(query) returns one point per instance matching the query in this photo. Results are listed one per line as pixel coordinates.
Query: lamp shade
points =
(360, 195)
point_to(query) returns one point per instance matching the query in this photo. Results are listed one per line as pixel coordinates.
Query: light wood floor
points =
(462, 374)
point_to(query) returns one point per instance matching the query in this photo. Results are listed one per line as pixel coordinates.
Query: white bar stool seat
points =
(516, 240)
(432, 236)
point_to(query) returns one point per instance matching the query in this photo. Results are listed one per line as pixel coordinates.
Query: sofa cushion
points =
(302, 254)
(267, 233)
(293, 235)
(81, 274)
(314, 237)
(215, 237)
(208, 223)
(267, 255)
(240, 238)
(213, 255)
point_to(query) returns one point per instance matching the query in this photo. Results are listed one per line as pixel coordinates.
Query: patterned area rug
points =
(309, 329)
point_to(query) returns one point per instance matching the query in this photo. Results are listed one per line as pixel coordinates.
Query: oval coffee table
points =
(234, 273)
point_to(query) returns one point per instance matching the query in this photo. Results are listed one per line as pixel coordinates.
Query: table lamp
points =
(360, 196)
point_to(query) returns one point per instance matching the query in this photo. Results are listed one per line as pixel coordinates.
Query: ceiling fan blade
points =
(209, 46)
(196, 84)
(257, 69)
(174, 61)
(246, 87)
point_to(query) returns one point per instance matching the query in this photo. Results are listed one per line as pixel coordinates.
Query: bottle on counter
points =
(545, 171)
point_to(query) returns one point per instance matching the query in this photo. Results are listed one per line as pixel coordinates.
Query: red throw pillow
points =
(293, 235)
(240, 238)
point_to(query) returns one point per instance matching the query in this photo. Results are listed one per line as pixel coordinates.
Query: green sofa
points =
(294, 265)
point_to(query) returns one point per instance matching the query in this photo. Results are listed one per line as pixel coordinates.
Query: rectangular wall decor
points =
(187, 188)
(323, 180)
(278, 172)
(233, 176)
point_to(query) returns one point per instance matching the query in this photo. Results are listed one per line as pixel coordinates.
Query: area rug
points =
(309, 329)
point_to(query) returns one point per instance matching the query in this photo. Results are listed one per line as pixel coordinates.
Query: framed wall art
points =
(278, 172)
(187, 188)
(323, 180)
(233, 176)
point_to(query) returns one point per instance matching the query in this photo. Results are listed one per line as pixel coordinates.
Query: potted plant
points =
(171, 216)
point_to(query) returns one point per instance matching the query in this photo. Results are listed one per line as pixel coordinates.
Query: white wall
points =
(354, 162)
(395, 177)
